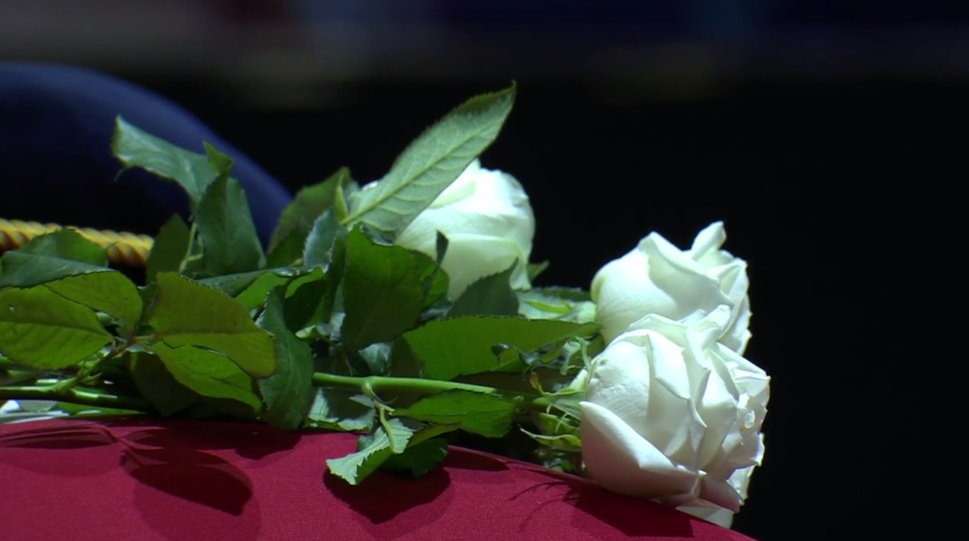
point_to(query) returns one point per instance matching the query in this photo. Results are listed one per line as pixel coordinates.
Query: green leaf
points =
(255, 295)
(554, 425)
(557, 303)
(288, 252)
(229, 240)
(398, 433)
(573, 294)
(561, 442)
(321, 239)
(356, 467)
(454, 347)
(234, 285)
(208, 373)
(220, 409)
(376, 357)
(488, 296)
(311, 301)
(170, 248)
(535, 269)
(566, 400)
(185, 312)
(339, 409)
(340, 208)
(110, 292)
(434, 279)
(431, 163)
(309, 204)
(68, 264)
(158, 386)
(137, 148)
(478, 413)
(219, 162)
(51, 257)
(534, 305)
(40, 329)
(381, 290)
(419, 459)
(289, 392)
(66, 244)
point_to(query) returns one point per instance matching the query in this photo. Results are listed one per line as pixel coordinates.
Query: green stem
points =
(62, 386)
(376, 385)
(75, 396)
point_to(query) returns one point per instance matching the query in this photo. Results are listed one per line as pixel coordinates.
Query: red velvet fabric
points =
(184, 480)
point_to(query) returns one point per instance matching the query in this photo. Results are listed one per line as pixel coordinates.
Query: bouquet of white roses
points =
(402, 310)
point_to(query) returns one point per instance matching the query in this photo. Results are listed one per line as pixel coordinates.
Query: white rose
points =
(672, 414)
(658, 278)
(489, 224)
(740, 482)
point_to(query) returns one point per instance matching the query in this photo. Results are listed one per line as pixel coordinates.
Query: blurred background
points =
(813, 128)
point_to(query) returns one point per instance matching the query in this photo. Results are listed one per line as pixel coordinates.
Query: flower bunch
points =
(403, 310)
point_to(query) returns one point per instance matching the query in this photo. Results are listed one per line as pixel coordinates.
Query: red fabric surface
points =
(182, 480)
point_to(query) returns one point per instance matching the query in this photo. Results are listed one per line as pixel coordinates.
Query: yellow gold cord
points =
(123, 248)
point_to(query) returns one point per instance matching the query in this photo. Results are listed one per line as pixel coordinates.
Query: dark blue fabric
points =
(56, 165)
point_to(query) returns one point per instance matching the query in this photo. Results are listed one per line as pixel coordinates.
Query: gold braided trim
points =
(123, 248)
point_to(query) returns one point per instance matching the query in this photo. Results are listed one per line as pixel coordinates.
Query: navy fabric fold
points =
(56, 165)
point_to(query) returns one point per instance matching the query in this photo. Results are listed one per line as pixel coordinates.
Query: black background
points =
(823, 189)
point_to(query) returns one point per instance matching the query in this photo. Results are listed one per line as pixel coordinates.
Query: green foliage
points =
(419, 459)
(170, 248)
(226, 231)
(41, 329)
(51, 257)
(334, 327)
(430, 164)
(187, 313)
(434, 281)
(478, 413)
(158, 386)
(289, 392)
(382, 292)
(489, 296)
(310, 203)
(136, 148)
(343, 410)
(208, 373)
(536, 269)
(372, 452)
(322, 239)
(449, 348)
(109, 292)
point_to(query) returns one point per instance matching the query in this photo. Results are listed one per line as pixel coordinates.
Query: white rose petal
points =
(489, 223)
(739, 481)
(622, 461)
(672, 414)
(659, 278)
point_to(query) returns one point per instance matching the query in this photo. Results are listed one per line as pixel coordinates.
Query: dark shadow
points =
(598, 511)
(248, 440)
(466, 459)
(540, 506)
(389, 506)
(40, 450)
(198, 483)
(60, 437)
(191, 475)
